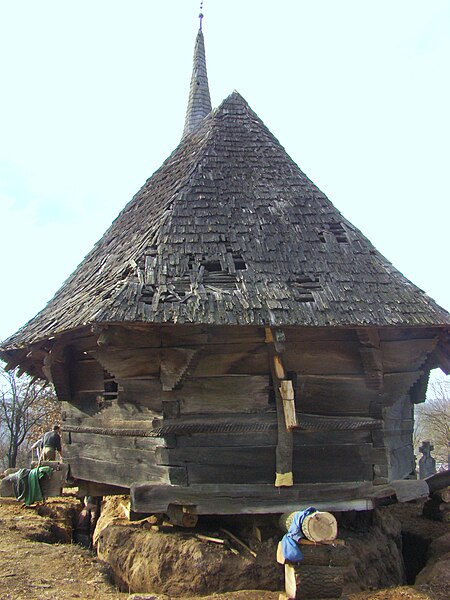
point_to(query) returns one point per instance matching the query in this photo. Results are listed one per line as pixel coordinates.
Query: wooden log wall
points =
(209, 391)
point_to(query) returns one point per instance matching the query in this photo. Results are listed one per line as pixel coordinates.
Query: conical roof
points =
(230, 231)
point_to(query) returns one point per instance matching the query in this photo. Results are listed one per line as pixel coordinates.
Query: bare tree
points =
(26, 407)
(432, 419)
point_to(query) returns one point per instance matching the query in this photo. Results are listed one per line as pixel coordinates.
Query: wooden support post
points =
(183, 516)
(287, 395)
(285, 442)
(311, 581)
(278, 366)
(327, 554)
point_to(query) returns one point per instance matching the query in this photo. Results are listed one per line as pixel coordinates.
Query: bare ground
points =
(33, 566)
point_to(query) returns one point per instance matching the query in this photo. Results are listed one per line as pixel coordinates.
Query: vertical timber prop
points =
(285, 404)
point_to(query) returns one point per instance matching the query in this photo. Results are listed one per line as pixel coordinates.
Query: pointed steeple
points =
(199, 104)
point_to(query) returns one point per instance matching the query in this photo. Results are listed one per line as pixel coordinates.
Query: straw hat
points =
(320, 527)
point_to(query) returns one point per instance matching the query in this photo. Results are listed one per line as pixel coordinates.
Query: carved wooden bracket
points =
(442, 354)
(56, 370)
(371, 357)
(175, 363)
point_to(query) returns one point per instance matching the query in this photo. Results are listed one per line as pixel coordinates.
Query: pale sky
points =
(94, 95)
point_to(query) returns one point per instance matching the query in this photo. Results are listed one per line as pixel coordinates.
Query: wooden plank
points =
(235, 347)
(269, 438)
(129, 337)
(391, 439)
(108, 442)
(230, 334)
(244, 498)
(183, 335)
(238, 362)
(217, 440)
(323, 357)
(410, 489)
(406, 355)
(333, 463)
(287, 395)
(232, 456)
(89, 488)
(318, 438)
(407, 333)
(141, 392)
(125, 363)
(86, 375)
(201, 473)
(344, 395)
(115, 473)
(323, 334)
(129, 415)
(134, 457)
(228, 394)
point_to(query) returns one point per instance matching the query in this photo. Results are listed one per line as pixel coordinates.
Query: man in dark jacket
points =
(51, 443)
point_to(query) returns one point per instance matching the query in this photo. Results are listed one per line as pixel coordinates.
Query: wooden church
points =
(233, 344)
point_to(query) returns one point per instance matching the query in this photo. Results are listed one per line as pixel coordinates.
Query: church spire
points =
(199, 104)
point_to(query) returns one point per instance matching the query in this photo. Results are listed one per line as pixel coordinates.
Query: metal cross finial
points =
(200, 16)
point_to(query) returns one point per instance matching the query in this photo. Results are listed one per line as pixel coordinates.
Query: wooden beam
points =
(278, 366)
(232, 499)
(287, 395)
(127, 337)
(329, 554)
(285, 442)
(182, 516)
(321, 581)
(443, 357)
(371, 357)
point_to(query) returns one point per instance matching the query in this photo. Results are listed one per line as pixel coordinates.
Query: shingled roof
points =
(230, 231)
(199, 103)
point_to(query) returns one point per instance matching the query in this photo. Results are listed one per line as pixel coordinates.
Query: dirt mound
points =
(183, 563)
(176, 563)
(154, 556)
(113, 511)
(375, 542)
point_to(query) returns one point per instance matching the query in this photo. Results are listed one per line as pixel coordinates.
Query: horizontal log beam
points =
(252, 499)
